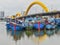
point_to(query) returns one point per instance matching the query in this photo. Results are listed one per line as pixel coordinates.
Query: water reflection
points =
(57, 30)
(17, 35)
(33, 34)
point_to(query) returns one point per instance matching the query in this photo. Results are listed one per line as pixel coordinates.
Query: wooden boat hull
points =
(49, 26)
(8, 26)
(17, 27)
(57, 21)
(14, 27)
(36, 26)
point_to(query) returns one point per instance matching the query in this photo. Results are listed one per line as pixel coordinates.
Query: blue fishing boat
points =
(17, 27)
(8, 23)
(36, 26)
(50, 26)
(8, 26)
(57, 21)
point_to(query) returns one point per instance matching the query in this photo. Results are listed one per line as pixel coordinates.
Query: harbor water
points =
(9, 37)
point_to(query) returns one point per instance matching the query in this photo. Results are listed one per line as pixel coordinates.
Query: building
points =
(1, 15)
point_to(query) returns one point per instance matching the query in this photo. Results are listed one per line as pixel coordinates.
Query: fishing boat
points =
(38, 26)
(50, 26)
(31, 22)
(51, 23)
(13, 25)
(8, 19)
(57, 21)
(8, 26)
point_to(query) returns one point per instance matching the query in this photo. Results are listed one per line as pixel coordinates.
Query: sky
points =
(11, 7)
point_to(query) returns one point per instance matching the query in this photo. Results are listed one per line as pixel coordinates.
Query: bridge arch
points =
(39, 3)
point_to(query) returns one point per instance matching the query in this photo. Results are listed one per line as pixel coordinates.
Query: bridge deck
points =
(42, 14)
